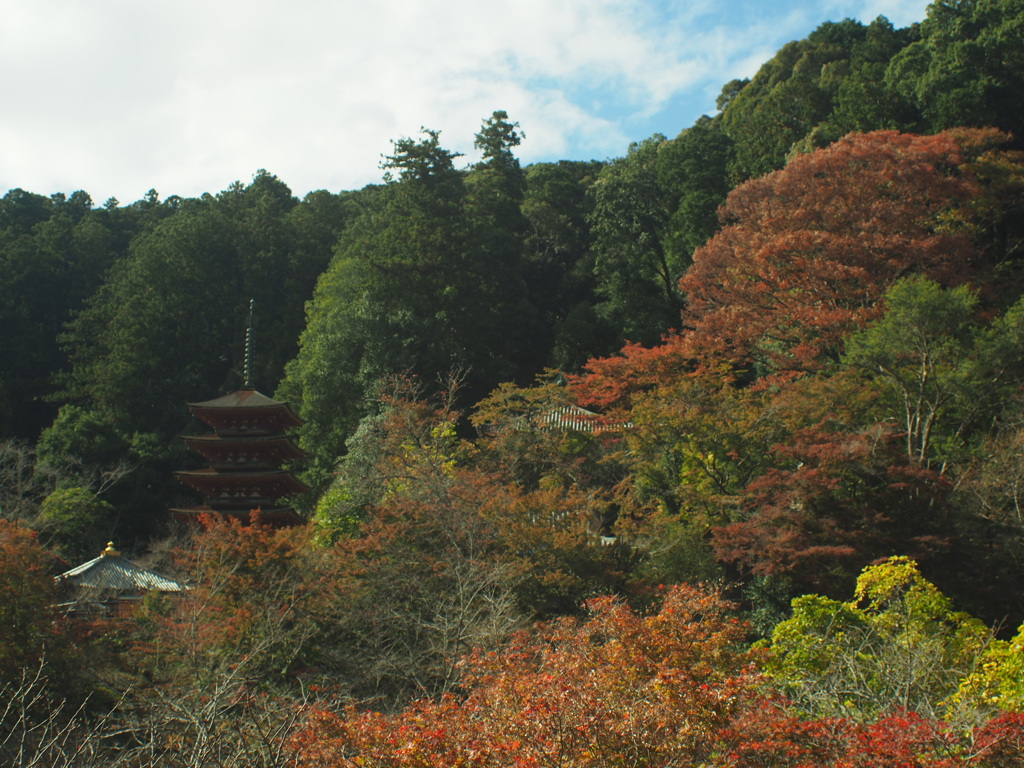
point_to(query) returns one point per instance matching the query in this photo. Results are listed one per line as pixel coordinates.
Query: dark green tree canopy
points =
(637, 276)
(816, 89)
(967, 68)
(429, 283)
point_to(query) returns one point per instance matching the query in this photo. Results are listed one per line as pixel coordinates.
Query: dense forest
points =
(783, 527)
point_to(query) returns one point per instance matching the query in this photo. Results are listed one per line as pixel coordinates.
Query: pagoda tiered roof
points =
(245, 452)
(246, 411)
(219, 483)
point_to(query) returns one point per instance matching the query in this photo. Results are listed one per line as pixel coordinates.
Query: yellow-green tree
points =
(897, 645)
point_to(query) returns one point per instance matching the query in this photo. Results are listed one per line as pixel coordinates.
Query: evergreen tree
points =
(429, 283)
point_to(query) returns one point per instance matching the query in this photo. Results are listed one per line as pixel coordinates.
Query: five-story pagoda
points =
(245, 452)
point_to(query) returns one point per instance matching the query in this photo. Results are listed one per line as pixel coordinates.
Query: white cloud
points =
(118, 96)
(901, 13)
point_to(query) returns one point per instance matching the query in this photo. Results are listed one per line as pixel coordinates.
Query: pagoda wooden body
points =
(245, 453)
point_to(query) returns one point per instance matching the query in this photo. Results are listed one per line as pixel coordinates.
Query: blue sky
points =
(120, 96)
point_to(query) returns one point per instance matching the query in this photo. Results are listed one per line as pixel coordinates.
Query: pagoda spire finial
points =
(247, 374)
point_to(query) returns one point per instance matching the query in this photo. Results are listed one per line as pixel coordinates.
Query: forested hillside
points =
(737, 415)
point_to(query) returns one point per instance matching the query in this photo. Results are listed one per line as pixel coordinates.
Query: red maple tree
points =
(809, 250)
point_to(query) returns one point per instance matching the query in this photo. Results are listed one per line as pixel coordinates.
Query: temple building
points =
(110, 585)
(245, 452)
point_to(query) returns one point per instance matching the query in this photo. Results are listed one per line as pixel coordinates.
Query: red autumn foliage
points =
(252, 599)
(904, 740)
(999, 743)
(809, 250)
(26, 599)
(619, 689)
(805, 255)
(615, 689)
(766, 734)
(611, 381)
(835, 501)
